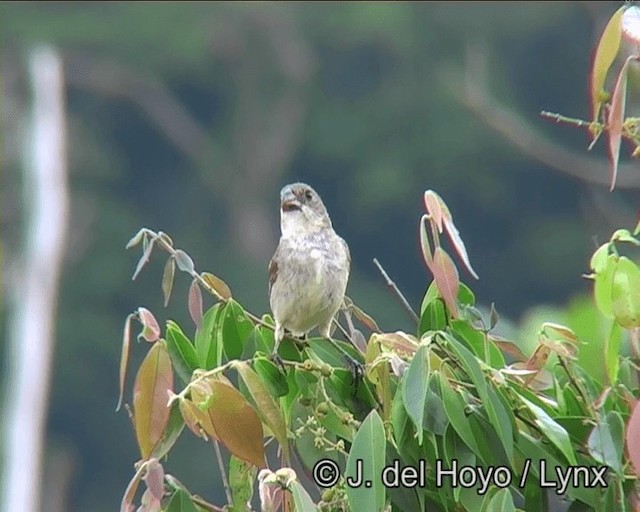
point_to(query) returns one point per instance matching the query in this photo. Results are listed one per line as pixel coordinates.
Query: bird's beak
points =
(289, 201)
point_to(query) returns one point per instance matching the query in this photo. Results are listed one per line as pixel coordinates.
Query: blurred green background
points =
(189, 118)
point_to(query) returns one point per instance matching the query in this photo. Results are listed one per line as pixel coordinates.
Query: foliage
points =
(608, 108)
(453, 417)
(442, 398)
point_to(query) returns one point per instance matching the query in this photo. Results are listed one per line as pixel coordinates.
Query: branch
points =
(394, 289)
(520, 133)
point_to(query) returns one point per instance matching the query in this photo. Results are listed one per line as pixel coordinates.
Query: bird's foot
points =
(356, 368)
(277, 360)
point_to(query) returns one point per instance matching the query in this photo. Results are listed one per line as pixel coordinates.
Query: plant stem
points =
(392, 286)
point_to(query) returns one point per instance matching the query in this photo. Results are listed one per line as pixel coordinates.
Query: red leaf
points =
(633, 436)
(615, 119)
(150, 328)
(433, 204)
(447, 280)
(154, 478)
(195, 303)
(217, 285)
(150, 393)
(236, 423)
(458, 244)
(127, 500)
(124, 358)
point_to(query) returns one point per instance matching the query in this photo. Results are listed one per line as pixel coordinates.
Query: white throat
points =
(296, 223)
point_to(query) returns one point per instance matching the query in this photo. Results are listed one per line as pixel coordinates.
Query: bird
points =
(309, 271)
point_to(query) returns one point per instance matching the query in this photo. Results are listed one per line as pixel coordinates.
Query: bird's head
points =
(301, 210)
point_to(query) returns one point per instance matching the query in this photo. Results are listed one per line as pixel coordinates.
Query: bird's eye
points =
(308, 195)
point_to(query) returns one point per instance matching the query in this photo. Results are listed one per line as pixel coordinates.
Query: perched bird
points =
(309, 271)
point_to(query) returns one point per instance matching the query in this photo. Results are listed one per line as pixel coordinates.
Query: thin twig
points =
(223, 473)
(392, 286)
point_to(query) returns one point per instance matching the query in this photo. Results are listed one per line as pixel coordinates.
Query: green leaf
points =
(172, 431)
(367, 452)
(271, 376)
(207, 344)
(625, 293)
(552, 430)
(603, 282)
(241, 478)
(604, 56)
(414, 388)
(612, 352)
(606, 441)
(301, 499)
(502, 501)
(433, 318)
(435, 418)
(325, 351)
(181, 351)
(623, 235)
(236, 329)
(536, 451)
(265, 404)
(150, 395)
(599, 259)
(454, 406)
(180, 502)
(498, 415)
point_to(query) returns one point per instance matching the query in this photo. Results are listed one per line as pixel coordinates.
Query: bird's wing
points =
(273, 269)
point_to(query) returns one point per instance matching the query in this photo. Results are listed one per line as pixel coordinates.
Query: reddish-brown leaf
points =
(236, 423)
(424, 243)
(154, 478)
(605, 54)
(124, 358)
(433, 204)
(615, 119)
(167, 279)
(194, 418)
(150, 393)
(266, 405)
(633, 437)
(446, 278)
(221, 289)
(150, 328)
(126, 504)
(458, 244)
(508, 347)
(195, 303)
(364, 318)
